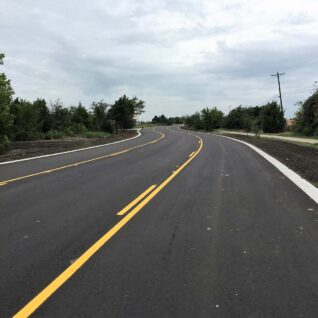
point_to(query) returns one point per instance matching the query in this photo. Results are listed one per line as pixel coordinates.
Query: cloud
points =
(179, 56)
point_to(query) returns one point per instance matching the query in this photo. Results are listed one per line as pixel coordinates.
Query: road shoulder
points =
(302, 183)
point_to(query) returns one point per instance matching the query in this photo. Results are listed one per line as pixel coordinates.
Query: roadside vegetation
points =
(163, 120)
(23, 120)
(268, 119)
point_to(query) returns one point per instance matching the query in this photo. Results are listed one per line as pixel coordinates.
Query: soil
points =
(301, 159)
(27, 149)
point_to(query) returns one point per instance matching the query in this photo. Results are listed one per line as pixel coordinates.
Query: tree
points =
(6, 93)
(272, 118)
(61, 117)
(194, 121)
(45, 121)
(307, 116)
(212, 118)
(100, 117)
(80, 118)
(125, 110)
(155, 120)
(25, 120)
(235, 118)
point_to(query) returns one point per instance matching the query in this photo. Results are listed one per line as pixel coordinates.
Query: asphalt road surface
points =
(218, 232)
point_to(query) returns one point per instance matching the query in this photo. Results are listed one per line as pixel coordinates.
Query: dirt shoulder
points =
(27, 149)
(301, 159)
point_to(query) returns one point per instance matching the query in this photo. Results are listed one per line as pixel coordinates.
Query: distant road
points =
(169, 224)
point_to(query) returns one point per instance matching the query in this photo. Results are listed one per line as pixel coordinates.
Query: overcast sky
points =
(179, 56)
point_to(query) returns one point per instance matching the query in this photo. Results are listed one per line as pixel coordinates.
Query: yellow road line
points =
(4, 182)
(133, 203)
(39, 299)
(191, 154)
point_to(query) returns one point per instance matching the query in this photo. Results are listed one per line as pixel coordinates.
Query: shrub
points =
(308, 131)
(28, 135)
(95, 134)
(4, 144)
(78, 128)
(54, 134)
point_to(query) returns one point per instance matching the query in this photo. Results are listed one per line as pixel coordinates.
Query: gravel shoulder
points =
(27, 149)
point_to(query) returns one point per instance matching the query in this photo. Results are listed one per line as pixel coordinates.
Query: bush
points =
(54, 134)
(308, 131)
(4, 144)
(69, 132)
(28, 135)
(107, 126)
(95, 134)
(78, 128)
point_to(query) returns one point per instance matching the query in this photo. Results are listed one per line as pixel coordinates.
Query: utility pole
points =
(280, 92)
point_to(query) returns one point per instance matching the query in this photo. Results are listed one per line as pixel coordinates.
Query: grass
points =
(95, 134)
(303, 144)
(294, 134)
(282, 134)
(144, 125)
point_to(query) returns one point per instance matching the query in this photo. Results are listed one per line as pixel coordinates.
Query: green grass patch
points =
(95, 134)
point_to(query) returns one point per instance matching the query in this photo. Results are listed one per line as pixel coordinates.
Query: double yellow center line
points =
(39, 299)
(139, 198)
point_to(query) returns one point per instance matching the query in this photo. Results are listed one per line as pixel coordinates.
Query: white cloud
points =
(177, 55)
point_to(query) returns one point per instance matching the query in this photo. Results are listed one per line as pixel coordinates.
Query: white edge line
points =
(300, 182)
(70, 151)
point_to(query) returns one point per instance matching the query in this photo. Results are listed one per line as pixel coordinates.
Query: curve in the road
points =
(39, 299)
(4, 182)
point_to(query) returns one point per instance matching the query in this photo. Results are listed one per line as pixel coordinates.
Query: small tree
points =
(25, 120)
(125, 110)
(155, 120)
(80, 118)
(61, 117)
(272, 118)
(247, 123)
(6, 93)
(45, 122)
(100, 119)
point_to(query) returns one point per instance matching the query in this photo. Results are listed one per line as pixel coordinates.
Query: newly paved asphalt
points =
(229, 236)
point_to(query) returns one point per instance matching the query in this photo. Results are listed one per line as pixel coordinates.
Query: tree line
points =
(267, 118)
(167, 121)
(30, 120)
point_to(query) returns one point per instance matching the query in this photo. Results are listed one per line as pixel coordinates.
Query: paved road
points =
(222, 234)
